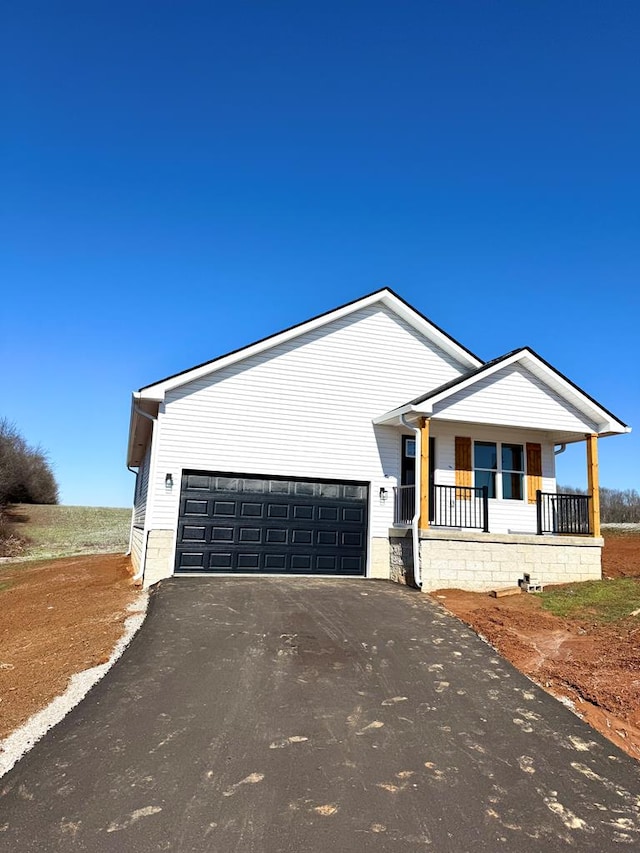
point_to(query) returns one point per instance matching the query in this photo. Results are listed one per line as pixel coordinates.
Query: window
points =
(512, 472)
(485, 465)
(499, 467)
(408, 470)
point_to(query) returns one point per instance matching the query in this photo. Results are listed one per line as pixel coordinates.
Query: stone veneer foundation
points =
(481, 561)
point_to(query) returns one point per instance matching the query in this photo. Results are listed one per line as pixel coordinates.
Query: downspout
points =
(140, 574)
(561, 449)
(415, 535)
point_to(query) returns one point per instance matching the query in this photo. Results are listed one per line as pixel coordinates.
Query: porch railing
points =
(461, 506)
(405, 503)
(449, 506)
(563, 514)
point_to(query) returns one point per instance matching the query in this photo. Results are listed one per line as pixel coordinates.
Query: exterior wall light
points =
(168, 481)
(383, 493)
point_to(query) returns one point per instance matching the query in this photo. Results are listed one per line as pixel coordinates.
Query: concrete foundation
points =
(159, 557)
(380, 558)
(482, 561)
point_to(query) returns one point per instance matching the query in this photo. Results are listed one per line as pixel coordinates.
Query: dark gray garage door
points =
(247, 524)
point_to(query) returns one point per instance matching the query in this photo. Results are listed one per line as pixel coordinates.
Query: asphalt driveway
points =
(312, 715)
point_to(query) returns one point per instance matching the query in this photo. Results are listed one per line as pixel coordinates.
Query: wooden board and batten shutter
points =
(464, 468)
(534, 470)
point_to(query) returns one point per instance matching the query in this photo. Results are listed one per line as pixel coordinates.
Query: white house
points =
(346, 444)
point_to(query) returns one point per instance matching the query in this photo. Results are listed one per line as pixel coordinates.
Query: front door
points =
(408, 467)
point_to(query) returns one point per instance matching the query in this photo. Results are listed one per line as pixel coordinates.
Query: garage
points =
(257, 524)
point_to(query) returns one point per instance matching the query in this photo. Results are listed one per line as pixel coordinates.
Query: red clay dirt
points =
(597, 667)
(59, 617)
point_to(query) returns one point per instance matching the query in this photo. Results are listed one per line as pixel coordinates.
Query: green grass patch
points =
(60, 531)
(597, 601)
(615, 532)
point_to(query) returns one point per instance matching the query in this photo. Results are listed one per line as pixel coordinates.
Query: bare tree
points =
(26, 475)
(616, 505)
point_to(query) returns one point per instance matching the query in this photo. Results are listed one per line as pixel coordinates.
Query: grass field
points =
(596, 601)
(61, 531)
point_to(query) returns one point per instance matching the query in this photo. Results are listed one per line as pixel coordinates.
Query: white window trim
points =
(499, 471)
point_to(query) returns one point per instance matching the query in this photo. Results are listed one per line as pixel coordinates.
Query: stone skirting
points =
(482, 561)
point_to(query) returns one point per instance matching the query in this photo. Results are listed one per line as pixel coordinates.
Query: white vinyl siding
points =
(137, 540)
(303, 408)
(142, 488)
(513, 397)
(508, 515)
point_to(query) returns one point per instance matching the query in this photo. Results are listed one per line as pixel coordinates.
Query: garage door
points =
(256, 524)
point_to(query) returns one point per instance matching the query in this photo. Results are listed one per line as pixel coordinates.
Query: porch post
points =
(423, 522)
(593, 485)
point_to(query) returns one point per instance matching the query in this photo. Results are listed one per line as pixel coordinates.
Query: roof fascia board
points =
(573, 390)
(427, 328)
(387, 297)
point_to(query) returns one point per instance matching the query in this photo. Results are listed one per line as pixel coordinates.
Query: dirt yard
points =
(596, 666)
(59, 617)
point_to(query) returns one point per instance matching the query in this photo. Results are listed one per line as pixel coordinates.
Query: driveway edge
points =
(24, 738)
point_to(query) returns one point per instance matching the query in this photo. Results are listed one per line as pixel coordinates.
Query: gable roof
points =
(535, 364)
(385, 297)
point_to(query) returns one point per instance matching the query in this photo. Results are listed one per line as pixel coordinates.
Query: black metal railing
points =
(461, 506)
(449, 506)
(405, 504)
(563, 514)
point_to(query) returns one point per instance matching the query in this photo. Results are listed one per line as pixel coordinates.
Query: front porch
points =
(477, 491)
(470, 539)
(468, 508)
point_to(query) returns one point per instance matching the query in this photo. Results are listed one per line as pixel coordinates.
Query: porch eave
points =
(394, 416)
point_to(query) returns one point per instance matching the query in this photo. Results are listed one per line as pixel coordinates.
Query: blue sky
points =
(234, 168)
